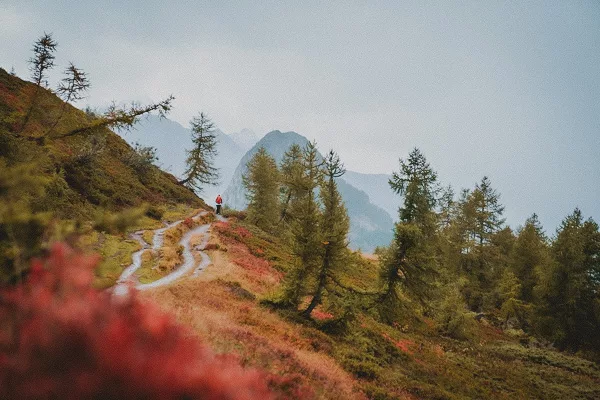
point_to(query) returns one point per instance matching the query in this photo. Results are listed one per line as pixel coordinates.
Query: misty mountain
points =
(370, 225)
(171, 140)
(245, 138)
(378, 189)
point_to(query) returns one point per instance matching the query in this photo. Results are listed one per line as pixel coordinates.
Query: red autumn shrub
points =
(188, 222)
(59, 338)
(406, 345)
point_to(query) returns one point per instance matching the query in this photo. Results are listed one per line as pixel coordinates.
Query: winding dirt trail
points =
(127, 278)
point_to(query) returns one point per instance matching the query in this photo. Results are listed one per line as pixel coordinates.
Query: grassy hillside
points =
(46, 180)
(363, 359)
(92, 169)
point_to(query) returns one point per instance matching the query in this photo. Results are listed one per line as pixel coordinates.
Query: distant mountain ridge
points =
(378, 189)
(171, 141)
(370, 225)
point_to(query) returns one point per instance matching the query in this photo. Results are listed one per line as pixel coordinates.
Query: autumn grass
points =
(157, 264)
(408, 360)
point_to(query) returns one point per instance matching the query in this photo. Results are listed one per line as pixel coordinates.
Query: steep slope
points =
(81, 174)
(376, 186)
(171, 141)
(370, 226)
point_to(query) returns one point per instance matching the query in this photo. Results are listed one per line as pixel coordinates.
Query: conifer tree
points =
(200, 159)
(568, 306)
(71, 88)
(305, 227)
(334, 228)
(292, 181)
(411, 261)
(39, 64)
(479, 222)
(530, 257)
(262, 186)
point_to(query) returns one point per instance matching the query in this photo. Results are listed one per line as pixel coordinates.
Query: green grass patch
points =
(149, 271)
(116, 256)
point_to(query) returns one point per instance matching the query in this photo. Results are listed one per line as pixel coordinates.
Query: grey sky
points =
(505, 89)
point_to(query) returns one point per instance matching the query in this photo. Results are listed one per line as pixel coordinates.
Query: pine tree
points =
(334, 228)
(411, 261)
(568, 306)
(262, 186)
(200, 159)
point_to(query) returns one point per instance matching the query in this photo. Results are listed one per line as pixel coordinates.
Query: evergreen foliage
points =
(292, 182)
(477, 236)
(305, 229)
(568, 309)
(262, 185)
(200, 159)
(411, 261)
(530, 257)
(334, 229)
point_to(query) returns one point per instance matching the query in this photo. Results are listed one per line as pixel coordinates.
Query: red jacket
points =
(219, 200)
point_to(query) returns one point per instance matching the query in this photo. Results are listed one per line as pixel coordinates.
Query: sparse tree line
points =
(453, 259)
(300, 201)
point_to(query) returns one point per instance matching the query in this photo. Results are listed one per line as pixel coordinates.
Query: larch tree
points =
(568, 305)
(71, 88)
(262, 190)
(292, 182)
(200, 170)
(530, 257)
(305, 229)
(334, 229)
(479, 222)
(411, 261)
(39, 65)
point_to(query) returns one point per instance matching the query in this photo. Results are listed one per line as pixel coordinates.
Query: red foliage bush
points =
(406, 345)
(321, 315)
(59, 338)
(188, 222)
(258, 266)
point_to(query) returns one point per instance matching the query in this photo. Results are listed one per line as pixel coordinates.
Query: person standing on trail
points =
(219, 201)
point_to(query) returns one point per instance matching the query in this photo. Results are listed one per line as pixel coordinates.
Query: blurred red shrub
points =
(59, 338)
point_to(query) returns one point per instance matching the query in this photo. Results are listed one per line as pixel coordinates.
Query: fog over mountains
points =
(368, 198)
(171, 141)
(370, 225)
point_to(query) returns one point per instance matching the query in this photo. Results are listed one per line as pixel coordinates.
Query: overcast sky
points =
(505, 89)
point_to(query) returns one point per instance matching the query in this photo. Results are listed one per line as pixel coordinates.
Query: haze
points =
(509, 89)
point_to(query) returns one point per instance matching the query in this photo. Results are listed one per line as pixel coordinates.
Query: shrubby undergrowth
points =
(59, 338)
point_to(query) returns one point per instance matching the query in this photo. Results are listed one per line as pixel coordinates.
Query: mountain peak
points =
(245, 138)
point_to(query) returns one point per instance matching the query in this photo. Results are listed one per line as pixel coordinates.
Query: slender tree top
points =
(417, 182)
(43, 58)
(333, 166)
(73, 85)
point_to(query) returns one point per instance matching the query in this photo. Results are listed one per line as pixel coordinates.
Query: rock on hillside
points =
(370, 226)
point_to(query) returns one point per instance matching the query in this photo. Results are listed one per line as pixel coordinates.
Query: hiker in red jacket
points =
(219, 201)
